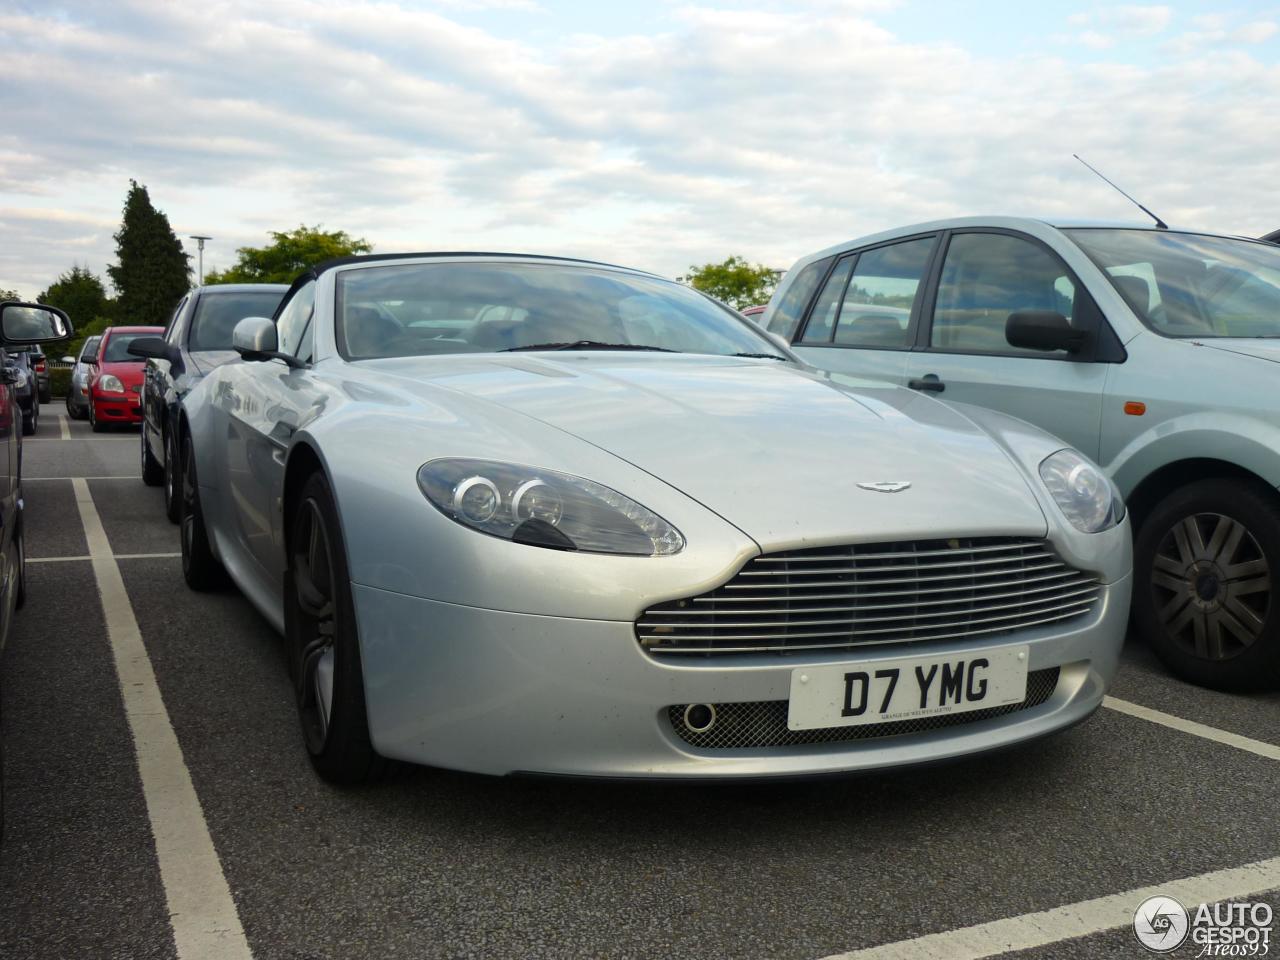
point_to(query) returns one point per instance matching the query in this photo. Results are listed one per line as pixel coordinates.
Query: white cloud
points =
(1140, 20)
(1256, 32)
(768, 131)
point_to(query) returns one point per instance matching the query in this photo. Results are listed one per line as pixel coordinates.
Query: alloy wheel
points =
(188, 501)
(314, 592)
(1213, 586)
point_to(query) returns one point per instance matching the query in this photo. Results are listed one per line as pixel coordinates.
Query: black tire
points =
(21, 598)
(200, 568)
(172, 480)
(46, 395)
(321, 637)
(93, 420)
(152, 472)
(1205, 563)
(31, 420)
(70, 409)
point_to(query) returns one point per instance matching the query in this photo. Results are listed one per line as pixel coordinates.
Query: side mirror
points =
(254, 338)
(157, 348)
(1043, 330)
(33, 323)
(67, 360)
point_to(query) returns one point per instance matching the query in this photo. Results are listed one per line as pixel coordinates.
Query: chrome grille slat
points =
(831, 598)
(1083, 584)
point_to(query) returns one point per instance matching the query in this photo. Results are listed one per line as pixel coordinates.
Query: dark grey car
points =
(197, 339)
(26, 389)
(78, 390)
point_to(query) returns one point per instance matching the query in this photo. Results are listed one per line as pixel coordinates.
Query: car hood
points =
(130, 374)
(206, 360)
(777, 451)
(1263, 349)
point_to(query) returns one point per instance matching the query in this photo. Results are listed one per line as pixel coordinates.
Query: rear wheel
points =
(323, 645)
(200, 568)
(31, 419)
(152, 472)
(172, 480)
(1205, 562)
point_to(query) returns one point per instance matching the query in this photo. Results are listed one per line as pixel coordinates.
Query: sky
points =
(657, 135)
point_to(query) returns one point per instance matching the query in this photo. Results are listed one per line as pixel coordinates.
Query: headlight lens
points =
(1084, 494)
(109, 384)
(545, 508)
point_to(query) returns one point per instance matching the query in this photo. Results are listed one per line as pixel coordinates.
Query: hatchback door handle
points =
(929, 383)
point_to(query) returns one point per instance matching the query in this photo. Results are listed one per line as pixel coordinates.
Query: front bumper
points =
(117, 409)
(497, 692)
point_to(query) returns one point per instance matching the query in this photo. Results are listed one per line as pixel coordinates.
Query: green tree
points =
(152, 270)
(80, 294)
(289, 253)
(735, 282)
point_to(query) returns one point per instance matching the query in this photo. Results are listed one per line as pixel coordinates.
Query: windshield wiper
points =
(586, 345)
(761, 356)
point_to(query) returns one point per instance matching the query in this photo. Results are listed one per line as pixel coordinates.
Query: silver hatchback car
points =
(1151, 350)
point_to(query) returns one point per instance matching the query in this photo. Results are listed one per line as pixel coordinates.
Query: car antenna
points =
(1160, 224)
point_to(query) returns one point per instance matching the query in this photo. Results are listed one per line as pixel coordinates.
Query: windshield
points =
(218, 313)
(417, 309)
(1190, 285)
(118, 347)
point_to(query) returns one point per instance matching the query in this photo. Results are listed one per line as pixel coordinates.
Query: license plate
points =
(880, 691)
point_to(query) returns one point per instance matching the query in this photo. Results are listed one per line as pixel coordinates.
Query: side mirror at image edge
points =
(24, 323)
(255, 338)
(1045, 330)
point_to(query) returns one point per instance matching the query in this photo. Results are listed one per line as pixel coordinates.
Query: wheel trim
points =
(314, 593)
(187, 527)
(168, 471)
(1212, 585)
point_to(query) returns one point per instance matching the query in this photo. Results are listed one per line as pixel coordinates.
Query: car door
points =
(961, 351)
(157, 384)
(263, 409)
(863, 322)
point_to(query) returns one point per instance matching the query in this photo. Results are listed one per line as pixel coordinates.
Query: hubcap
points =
(188, 500)
(313, 582)
(1212, 586)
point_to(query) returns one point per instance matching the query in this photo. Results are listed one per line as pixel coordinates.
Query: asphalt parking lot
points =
(434, 864)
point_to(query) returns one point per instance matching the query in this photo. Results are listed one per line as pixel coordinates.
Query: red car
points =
(116, 387)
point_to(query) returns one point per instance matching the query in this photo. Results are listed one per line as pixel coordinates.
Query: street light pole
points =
(200, 255)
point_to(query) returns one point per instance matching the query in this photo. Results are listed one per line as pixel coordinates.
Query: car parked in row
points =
(529, 514)
(21, 376)
(1151, 350)
(116, 385)
(84, 367)
(197, 339)
(21, 325)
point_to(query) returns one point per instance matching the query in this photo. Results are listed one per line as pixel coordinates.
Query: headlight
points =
(545, 508)
(109, 384)
(1084, 494)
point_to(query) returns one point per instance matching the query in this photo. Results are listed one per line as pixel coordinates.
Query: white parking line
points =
(201, 912)
(1075, 919)
(1268, 750)
(64, 425)
(121, 476)
(114, 556)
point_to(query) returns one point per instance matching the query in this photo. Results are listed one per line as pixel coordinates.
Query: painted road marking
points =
(114, 556)
(1268, 750)
(65, 426)
(1075, 919)
(202, 914)
(122, 476)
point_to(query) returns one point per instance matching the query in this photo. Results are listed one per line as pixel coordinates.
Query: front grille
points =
(837, 597)
(764, 722)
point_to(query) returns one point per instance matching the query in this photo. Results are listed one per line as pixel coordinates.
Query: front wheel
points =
(200, 568)
(172, 480)
(97, 425)
(1205, 560)
(152, 472)
(322, 642)
(31, 420)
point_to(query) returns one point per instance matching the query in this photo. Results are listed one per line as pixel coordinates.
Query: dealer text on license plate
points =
(880, 691)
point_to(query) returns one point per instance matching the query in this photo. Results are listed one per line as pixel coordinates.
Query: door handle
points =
(928, 383)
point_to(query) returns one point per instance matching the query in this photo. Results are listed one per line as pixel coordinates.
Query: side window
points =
(786, 315)
(876, 311)
(822, 319)
(172, 332)
(295, 320)
(986, 277)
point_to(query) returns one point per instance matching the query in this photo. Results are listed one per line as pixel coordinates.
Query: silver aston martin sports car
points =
(518, 514)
